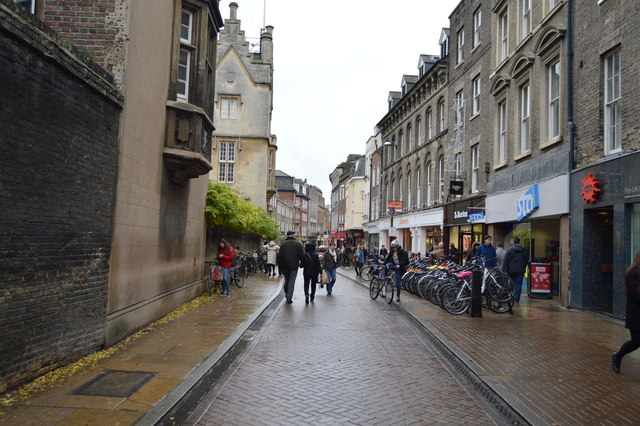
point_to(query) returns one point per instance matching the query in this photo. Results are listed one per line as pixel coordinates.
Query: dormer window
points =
(30, 5)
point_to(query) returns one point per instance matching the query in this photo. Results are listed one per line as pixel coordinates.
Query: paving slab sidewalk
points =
(550, 363)
(171, 352)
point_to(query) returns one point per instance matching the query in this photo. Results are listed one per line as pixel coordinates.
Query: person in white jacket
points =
(272, 252)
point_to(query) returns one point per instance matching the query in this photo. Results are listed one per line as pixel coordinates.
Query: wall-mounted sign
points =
(475, 216)
(456, 187)
(396, 205)
(458, 214)
(528, 203)
(590, 189)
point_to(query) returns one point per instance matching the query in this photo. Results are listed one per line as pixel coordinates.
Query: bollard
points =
(476, 294)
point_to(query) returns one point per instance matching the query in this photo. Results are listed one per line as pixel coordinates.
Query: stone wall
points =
(58, 167)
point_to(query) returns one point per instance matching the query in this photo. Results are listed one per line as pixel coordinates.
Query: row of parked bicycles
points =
(444, 283)
(245, 265)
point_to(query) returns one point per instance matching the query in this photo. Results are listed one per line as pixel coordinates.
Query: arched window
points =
(401, 189)
(418, 131)
(400, 148)
(441, 115)
(409, 138)
(429, 124)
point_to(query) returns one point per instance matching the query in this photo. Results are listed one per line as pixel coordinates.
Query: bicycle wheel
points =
(500, 287)
(374, 289)
(499, 307)
(238, 279)
(389, 287)
(456, 300)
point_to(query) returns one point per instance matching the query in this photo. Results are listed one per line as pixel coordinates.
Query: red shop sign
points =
(590, 189)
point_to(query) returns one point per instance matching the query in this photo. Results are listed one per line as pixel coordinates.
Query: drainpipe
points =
(571, 123)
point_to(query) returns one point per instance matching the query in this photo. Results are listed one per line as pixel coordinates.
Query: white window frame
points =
(409, 138)
(525, 18)
(460, 108)
(441, 116)
(419, 131)
(418, 189)
(429, 124)
(441, 179)
(189, 26)
(459, 164)
(477, 23)
(409, 197)
(503, 36)
(429, 183)
(525, 118)
(612, 97)
(184, 64)
(476, 95)
(229, 107)
(475, 167)
(502, 132)
(460, 50)
(226, 161)
(553, 100)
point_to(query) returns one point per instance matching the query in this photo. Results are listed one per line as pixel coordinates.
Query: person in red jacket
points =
(225, 258)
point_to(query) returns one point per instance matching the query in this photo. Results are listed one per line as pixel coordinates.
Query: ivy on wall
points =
(225, 208)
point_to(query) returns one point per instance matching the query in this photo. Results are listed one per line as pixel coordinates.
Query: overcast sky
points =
(334, 66)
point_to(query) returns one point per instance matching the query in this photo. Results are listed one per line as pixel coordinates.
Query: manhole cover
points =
(115, 383)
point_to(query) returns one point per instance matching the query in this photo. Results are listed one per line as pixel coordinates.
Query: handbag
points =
(325, 277)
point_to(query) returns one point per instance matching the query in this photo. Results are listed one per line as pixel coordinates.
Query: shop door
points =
(408, 243)
(598, 258)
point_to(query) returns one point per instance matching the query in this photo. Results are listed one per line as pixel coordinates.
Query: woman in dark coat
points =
(312, 268)
(632, 321)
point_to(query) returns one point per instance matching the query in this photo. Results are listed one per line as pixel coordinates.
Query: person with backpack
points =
(311, 269)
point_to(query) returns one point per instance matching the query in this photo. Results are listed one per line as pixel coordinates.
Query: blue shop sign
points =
(475, 216)
(528, 203)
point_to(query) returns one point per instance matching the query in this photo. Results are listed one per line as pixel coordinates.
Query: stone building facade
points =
(162, 55)
(605, 183)
(528, 184)
(244, 150)
(58, 170)
(415, 135)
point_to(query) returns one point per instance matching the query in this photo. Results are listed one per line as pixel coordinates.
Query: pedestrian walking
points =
(272, 256)
(329, 264)
(290, 258)
(312, 268)
(515, 264)
(225, 260)
(500, 253)
(488, 252)
(398, 260)
(359, 260)
(632, 320)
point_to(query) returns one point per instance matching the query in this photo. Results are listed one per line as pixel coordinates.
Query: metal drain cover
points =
(114, 383)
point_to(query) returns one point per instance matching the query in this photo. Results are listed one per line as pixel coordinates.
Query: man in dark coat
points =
(312, 268)
(515, 264)
(398, 260)
(290, 258)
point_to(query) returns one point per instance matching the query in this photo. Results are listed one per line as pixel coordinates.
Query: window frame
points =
(553, 103)
(226, 161)
(429, 183)
(429, 124)
(524, 138)
(184, 96)
(525, 18)
(612, 105)
(460, 44)
(441, 118)
(503, 36)
(477, 23)
(475, 168)
(460, 108)
(229, 113)
(477, 90)
(441, 179)
(502, 127)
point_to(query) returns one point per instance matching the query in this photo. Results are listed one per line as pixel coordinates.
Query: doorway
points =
(598, 258)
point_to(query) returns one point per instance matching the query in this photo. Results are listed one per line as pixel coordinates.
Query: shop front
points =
(465, 224)
(538, 214)
(372, 236)
(415, 231)
(605, 232)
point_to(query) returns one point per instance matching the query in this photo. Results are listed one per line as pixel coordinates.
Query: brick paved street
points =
(343, 360)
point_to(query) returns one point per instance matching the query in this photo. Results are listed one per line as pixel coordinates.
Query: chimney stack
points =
(234, 11)
(266, 44)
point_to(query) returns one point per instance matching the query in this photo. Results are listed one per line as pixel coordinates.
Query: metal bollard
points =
(476, 294)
